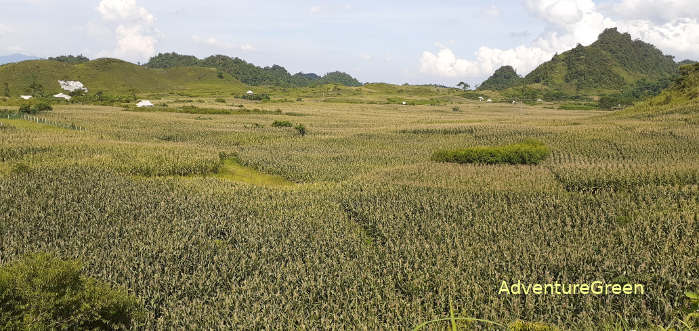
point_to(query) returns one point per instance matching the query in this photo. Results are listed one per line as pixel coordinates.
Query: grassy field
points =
(225, 221)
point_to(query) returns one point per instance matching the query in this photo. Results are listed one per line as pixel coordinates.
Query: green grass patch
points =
(527, 152)
(574, 106)
(282, 124)
(231, 169)
(203, 111)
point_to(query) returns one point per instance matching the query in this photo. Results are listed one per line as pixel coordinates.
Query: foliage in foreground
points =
(527, 152)
(43, 292)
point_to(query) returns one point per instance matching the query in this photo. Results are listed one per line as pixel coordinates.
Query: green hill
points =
(610, 63)
(682, 97)
(503, 78)
(251, 74)
(112, 76)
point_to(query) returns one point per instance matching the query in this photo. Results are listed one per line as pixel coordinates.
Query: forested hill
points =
(251, 74)
(503, 78)
(610, 63)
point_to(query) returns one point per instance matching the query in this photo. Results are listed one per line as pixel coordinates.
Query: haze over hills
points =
(13, 58)
(251, 74)
(608, 64)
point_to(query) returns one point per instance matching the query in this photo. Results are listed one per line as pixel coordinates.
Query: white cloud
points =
(678, 37)
(446, 64)
(4, 29)
(315, 10)
(134, 30)
(493, 11)
(219, 44)
(570, 22)
(658, 11)
(124, 10)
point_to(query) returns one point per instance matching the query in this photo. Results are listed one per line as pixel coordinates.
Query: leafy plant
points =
(527, 152)
(41, 291)
(301, 129)
(282, 124)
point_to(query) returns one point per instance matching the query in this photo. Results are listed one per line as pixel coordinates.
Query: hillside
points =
(113, 76)
(610, 63)
(504, 77)
(251, 74)
(681, 97)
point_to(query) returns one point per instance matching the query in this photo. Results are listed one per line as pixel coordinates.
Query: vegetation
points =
(282, 124)
(116, 77)
(503, 78)
(612, 63)
(249, 73)
(41, 292)
(218, 222)
(34, 106)
(527, 152)
(70, 59)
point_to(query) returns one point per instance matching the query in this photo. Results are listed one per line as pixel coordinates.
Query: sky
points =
(406, 41)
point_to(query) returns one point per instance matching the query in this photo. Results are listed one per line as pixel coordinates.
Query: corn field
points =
(373, 234)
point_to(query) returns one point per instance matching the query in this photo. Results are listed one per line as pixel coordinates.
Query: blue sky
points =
(391, 41)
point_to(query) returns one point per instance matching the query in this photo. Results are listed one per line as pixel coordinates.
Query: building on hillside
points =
(144, 103)
(72, 85)
(63, 96)
(249, 93)
(25, 97)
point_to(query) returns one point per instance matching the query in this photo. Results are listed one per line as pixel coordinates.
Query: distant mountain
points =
(249, 73)
(503, 78)
(12, 58)
(610, 63)
(112, 76)
(685, 62)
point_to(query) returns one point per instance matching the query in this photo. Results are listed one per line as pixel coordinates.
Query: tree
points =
(42, 292)
(7, 89)
(463, 86)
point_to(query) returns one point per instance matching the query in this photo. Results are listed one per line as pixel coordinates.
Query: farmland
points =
(223, 220)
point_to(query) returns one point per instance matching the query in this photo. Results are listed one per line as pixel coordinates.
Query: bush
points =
(527, 152)
(282, 124)
(35, 107)
(221, 100)
(41, 292)
(301, 129)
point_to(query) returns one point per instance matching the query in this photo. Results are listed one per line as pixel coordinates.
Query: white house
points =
(25, 97)
(480, 99)
(490, 100)
(61, 95)
(514, 102)
(539, 100)
(405, 103)
(72, 85)
(144, 103)
(250, 93)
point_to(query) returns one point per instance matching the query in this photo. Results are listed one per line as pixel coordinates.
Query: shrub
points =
(527, 152)
(282, 124)
(221, 100)
(301, 129)
(456, 108)
(34, 107)
(41, 292)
